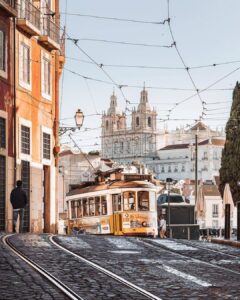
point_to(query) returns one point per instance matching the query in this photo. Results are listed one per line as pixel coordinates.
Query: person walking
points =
(162, 227)
(18, 200)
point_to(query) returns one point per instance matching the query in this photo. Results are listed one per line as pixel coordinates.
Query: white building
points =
(214, 213)
(123, 144)
(177, 160)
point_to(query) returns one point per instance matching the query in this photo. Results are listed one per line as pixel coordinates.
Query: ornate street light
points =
(79, 117)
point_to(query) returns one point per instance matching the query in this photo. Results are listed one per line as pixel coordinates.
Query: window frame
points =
(46, 58)
(139, 193)
(127, 199)
(24, 43)
(48, 131)
(24, 156)
(3, 71)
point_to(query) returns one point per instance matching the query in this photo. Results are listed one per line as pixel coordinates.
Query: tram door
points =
(117, 215)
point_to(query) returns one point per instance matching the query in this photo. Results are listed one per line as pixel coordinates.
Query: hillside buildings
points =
(165, 153)
(30, 49)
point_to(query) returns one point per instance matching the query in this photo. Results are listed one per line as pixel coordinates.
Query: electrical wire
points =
(116, 19)
(121, 43)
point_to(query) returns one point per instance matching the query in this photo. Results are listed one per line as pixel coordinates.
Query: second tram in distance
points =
(119, 207)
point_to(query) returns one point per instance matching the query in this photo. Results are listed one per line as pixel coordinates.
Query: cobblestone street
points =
(168, 269)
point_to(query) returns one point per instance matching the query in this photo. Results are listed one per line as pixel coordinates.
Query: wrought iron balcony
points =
(29, 18)
(50, 36)
(9, 6)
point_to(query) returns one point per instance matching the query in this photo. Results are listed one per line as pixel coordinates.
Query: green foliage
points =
(230, 165)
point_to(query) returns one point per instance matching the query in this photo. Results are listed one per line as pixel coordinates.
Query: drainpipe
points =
(14, 103)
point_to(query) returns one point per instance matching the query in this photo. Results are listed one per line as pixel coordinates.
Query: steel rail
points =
(107, 272)
(187, 256)
(56, 282)
(209, 249)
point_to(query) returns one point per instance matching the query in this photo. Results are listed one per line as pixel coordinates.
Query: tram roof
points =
(111, 185)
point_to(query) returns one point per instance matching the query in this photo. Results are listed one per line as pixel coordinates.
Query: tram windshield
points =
(129, 201)
(143, 201)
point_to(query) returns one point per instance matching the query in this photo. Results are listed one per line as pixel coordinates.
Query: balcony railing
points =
(29, 17)
(50, 34)
(10, 6)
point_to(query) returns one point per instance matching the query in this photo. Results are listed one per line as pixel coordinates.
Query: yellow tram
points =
(119, 207)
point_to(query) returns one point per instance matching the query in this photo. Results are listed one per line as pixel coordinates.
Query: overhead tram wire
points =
(123, 43)
(140, 86)
(183, 62)
(117, 19)
(206, 89)
(155, 67)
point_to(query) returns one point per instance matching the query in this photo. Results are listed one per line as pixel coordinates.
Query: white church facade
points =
(139, 142)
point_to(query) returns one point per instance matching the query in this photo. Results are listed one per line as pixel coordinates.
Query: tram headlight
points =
(144, 224)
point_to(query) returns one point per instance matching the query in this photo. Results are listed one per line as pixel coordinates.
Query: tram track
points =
(110, 274)
(48, 276)
(190, 255)
(67, 288)
(211, 250)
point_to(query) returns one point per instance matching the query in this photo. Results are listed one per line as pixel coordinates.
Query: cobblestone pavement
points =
(223, 256)
(77, 275)
(20, 281)
(162, 272)
(157, 267)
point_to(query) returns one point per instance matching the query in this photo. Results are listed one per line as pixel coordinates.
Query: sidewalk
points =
(230, 242)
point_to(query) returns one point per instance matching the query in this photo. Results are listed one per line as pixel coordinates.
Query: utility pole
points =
(196, 169)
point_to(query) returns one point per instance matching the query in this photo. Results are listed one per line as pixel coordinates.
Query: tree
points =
(230, 164)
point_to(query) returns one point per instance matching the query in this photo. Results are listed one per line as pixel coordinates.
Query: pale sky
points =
(206, 33)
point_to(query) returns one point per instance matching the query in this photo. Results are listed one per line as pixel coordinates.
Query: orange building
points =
(38, 65)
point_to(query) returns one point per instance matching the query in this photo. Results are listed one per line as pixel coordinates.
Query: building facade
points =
(123, 144)
(37, 68)
(8, 12)
(177, 160)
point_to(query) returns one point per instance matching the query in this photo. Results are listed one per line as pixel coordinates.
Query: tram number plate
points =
(126, 224)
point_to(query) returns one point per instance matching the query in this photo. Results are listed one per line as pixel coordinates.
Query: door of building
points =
(46, 199)
(25, 175)
(2, 191)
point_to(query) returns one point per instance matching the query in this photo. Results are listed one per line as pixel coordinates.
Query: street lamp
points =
(62, 171)
(169, 182)
(79, 117)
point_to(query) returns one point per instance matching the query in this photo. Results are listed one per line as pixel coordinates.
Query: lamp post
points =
(168, 181)
(79, 117)
(238, 216)
(196, 171)
(62, 171)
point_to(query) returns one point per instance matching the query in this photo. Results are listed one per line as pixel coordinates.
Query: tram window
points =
(117, 205)
(129, 201)
(104, 205)
(97, 206)
(79, 208)
(91, 207)
(143, 201)
(85, 207)
(73, 210)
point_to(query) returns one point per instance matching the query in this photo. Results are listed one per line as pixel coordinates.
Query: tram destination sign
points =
(133, 177)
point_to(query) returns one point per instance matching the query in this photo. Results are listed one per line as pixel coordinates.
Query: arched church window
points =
(137, 121)
(149, 122)
(107, 124)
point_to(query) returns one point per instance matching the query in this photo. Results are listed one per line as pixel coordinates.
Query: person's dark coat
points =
(18, 198)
